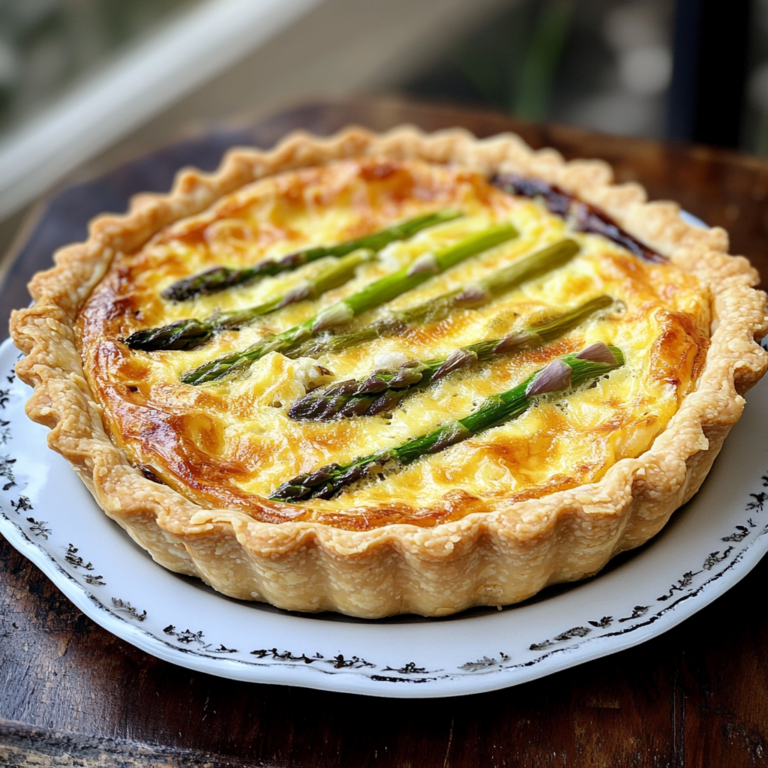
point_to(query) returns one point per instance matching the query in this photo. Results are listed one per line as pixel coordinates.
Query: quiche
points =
(399, 373)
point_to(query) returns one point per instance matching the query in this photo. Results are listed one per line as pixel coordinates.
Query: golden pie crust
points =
(432, 559)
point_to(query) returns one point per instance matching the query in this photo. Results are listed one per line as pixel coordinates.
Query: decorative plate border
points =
(80, 577)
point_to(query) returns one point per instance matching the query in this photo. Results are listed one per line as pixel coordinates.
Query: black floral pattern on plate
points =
(6, 472)
(127, 608)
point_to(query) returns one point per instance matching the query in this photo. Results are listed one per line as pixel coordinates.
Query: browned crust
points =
(488, 557)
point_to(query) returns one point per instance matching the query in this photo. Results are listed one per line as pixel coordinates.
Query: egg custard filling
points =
(288, 352)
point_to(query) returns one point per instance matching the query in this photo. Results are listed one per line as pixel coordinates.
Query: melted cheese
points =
(231, 443)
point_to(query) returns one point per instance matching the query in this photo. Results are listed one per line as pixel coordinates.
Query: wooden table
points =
(72, 694)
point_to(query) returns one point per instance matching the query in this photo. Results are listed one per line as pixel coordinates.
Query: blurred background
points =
(96, 80)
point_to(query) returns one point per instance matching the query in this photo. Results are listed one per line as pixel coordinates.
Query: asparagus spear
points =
(193, 333)
(383, 390)
(222, 278)
(472, 296)
(561, 374)
(387, 288)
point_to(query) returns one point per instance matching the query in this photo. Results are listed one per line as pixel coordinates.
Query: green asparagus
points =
(192, 333)
(221, 278)
(559, 375)
(469, 297)
(379, 292)
(383, 390)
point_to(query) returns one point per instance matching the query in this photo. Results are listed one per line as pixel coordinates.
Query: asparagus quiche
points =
(397, 373)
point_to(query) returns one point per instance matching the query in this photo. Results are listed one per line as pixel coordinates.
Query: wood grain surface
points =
(72, 694)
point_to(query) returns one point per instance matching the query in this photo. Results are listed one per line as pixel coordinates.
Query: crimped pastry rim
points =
(661, 479)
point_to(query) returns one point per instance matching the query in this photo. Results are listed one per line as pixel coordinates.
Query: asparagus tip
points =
(552, 378)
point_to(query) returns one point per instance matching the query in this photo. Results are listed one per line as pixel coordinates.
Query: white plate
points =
(47, 514)
(710, 544)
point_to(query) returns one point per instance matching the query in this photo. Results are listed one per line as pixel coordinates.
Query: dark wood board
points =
(72, 694)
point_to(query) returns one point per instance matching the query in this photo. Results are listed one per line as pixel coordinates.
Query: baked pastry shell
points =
(497, 556)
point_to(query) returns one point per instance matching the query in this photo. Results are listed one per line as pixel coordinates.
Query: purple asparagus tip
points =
(553, 378)
(598, 353)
